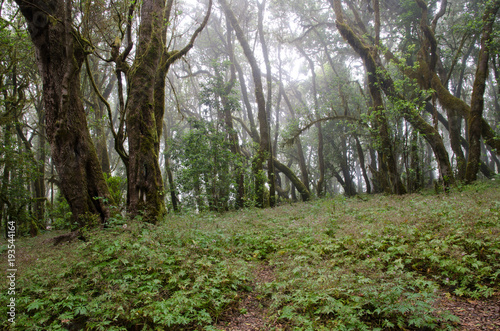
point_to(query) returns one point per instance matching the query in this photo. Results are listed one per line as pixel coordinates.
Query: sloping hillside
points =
(421, 261)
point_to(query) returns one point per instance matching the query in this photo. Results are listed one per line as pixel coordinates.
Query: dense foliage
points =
(159, 132)
(342, 97)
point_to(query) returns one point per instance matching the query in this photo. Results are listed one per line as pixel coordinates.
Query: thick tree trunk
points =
(145, 183)
(60, 56)
(145, 107)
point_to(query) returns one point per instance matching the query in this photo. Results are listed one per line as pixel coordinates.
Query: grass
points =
(366, 263)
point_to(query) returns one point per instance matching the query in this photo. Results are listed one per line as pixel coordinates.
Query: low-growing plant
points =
(338, 264)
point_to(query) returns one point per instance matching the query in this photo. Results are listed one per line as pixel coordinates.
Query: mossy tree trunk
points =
(379, 79)
(304, 192)
(146, 105)
(428, 78)
(60, 55)
(477, 99)
(380, 120)
(145, 185)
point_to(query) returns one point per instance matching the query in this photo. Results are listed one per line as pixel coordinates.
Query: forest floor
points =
(252, 313)
(416, 262)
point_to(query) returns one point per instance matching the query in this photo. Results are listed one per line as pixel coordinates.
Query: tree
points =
(264, 151)
(369, 56)
(60, 52)
(477, 98)
(145, 107)
(380, 80)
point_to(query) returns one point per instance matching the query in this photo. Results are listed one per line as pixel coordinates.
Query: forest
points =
(156, 107)
(124, 120)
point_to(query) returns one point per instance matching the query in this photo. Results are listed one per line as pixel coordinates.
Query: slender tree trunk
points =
(304, 192)
(100, 132)
(454, 128)
(477, 100)
(321, 159)
(39, 182)
(386, 148)
(346, 182)
(4, 200)
(265, 142)
(246, 101)
(361, 157)
(169, 175)
(60, 55)
(377, 187)
(300, 152)
(270, 165)
(415, 169)
(232, 134)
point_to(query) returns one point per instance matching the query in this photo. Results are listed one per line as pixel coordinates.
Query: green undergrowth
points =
(366, 263)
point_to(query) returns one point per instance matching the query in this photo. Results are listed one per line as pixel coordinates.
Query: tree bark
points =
(145, 184)
(304, 192)
(300, 152)
(270, 165)
(477, 99)
(146, 105)
(361, 157)
(386, 149)
(60, 54)
(265, 142)
(228, 119)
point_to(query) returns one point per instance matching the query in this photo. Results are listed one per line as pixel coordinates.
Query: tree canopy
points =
(156, 106)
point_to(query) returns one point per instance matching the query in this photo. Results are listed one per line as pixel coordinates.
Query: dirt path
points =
(252, 312)
(475, 315)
